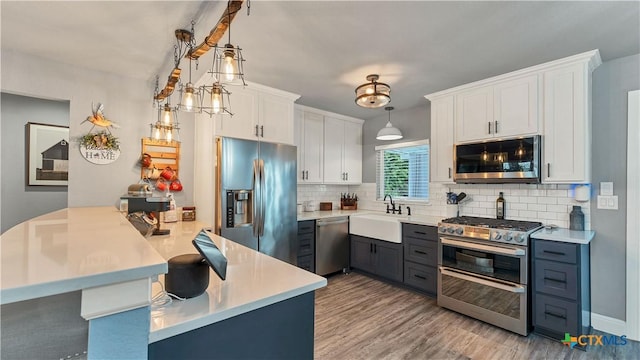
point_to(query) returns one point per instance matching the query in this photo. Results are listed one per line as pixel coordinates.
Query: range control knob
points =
(442, 229)
(497, 236)
(450, 230)
(520, 238)
(509, 236)
(459, 231)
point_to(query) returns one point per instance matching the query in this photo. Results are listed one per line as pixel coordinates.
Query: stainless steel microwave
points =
(502, 161)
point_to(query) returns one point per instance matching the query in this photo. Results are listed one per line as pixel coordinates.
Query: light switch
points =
(606, 188)
(608, 202)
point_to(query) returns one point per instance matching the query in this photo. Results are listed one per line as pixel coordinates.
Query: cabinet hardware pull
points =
(489, 122)
(302, 174)
(370, 248)
(495, 126)
(347, 176)
(555, 315)
(307, 174)
(420, 277)
(420, 252)
(256, 130)
(548, 169)
(449, 173)
(555, 280)
(420, 232)
(261, 130)
(553, 252)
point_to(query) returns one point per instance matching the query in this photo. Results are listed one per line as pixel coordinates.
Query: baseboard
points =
(608, 324)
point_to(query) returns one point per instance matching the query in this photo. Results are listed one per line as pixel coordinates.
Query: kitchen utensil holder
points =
(324, 206)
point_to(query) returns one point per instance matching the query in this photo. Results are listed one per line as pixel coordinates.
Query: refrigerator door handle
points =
(255, 222)
(262, 197)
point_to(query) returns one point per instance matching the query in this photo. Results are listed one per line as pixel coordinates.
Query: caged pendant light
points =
(228, 62)
(373, 94)
(389, 132)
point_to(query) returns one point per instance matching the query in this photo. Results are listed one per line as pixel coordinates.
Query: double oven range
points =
(483, 269)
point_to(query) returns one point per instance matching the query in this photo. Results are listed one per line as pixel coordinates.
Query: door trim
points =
(633, 214)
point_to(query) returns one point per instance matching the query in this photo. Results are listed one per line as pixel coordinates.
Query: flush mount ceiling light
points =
(389, 132)
(373, 94)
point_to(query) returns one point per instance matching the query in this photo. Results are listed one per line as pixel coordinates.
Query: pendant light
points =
(189, 94)
(373, 94)
(389, 132)
(227, 61)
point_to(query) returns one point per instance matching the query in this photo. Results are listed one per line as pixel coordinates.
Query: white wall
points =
(127, 101)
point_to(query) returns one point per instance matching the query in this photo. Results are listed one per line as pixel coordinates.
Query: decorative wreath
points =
(102, 140)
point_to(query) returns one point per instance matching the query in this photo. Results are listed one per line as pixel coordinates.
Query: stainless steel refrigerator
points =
(256, 193)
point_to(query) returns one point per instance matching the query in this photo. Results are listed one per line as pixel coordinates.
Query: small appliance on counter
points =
(309, 206)
(152, 205)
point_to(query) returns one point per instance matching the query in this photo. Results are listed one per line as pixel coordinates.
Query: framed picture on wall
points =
(47, 154)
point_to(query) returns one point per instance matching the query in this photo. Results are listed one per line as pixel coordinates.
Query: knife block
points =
(348, 204)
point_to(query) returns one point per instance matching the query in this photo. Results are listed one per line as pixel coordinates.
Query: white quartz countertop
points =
(73, 249)
(413, 219)
(564, 235)
(253, 280)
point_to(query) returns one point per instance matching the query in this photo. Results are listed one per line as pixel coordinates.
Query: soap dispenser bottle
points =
(576, 218)
(500, 207)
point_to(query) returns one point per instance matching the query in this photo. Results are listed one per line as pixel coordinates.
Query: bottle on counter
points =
(576, 218)
(500, 206)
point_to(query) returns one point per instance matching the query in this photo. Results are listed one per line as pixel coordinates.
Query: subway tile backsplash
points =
(547, 203)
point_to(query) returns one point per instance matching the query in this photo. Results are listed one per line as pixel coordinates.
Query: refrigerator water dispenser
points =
(239, 210)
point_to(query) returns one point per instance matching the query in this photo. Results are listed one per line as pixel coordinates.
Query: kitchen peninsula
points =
(95, 251)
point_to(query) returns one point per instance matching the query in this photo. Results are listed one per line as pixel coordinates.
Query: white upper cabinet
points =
(551, 99)
(567, 150)
(342, 151)
(309, 129)
(504, 109)
(259, 113)
(441, 141)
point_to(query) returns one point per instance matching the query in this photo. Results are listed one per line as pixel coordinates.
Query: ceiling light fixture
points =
(228, 62)
(373, 94)
(389, 132)
(167, 121)
(188, 94)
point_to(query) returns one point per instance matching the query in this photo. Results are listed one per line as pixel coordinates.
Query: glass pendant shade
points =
(188, 98)
(389, 132)
(229, 63)
(216, 99)
(167, 115)
(373, 94)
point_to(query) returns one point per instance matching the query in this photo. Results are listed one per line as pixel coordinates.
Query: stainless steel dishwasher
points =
(332, 245)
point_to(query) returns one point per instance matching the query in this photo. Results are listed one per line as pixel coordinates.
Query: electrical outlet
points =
(608, 202)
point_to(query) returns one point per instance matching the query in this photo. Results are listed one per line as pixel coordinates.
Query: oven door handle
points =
(480, 247)
(518, 289)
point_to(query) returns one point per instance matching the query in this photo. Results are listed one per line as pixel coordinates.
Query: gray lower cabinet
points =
(420, 257)
(561, 294)
(306, 245)
(377, 257)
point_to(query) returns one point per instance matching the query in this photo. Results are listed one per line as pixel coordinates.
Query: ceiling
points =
(324, 49)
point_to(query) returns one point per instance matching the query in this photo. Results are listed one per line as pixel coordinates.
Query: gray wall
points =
(413, 122)
(611, 82)
(21, 202)
(127, 101)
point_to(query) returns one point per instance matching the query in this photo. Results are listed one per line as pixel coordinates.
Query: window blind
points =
(402, 171)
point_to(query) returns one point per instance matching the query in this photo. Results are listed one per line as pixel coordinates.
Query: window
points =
(402, 171)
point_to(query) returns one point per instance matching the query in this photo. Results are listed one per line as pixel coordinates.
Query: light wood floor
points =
(361, 318)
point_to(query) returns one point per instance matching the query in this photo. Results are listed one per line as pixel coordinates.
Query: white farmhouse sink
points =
(377, 226)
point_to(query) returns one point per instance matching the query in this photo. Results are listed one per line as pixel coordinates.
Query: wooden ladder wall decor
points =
(163, 154)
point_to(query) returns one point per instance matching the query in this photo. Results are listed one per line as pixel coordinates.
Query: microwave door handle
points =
(518, 289)
(481, 247)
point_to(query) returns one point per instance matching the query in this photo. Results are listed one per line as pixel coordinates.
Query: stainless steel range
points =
(483, 269)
